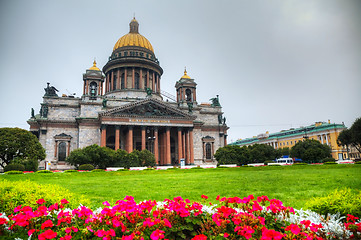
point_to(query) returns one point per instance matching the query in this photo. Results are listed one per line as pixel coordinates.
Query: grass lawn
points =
(293, 185)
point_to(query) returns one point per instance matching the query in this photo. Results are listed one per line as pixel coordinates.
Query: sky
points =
(275, 64)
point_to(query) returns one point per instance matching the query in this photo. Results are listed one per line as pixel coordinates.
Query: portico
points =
(152, 125)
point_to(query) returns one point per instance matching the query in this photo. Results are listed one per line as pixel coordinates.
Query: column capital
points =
(103, 126)
(130, 127)
(117, 127)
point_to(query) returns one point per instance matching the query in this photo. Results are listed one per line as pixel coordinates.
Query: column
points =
(117, 136)
(156, 146)
(158, 82)
(103, 136)
(125, 78)
(130, 139)
(133, 78)
(225, 140)
(143, 138)
(68, 148)
(100, 89)
(194, 95)
(148, 79)
(180, 151)
(112, 82)
(56, 149)
(141, 83)
(118, 79)
(163, 149)
(106, 82)
(212, 150)
(191, 160)
(188, 149)
(184, 145)
(153, 83)
(204, 150)
(167, 137)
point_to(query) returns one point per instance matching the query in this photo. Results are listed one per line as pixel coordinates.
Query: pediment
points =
(148, 108)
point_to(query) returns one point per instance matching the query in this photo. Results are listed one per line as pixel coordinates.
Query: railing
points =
(168, 95)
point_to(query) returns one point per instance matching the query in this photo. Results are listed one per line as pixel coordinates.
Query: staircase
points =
(168, 95)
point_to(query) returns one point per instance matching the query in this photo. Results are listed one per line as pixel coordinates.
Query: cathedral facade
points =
(123, 107)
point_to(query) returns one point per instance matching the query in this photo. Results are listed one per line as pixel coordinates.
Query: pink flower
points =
(106, 203)
(31, 231)
(64, 201)
(40, 201)
(293, 228)
(157, 234)
(47, 223)
(167, 223)
(226, 235)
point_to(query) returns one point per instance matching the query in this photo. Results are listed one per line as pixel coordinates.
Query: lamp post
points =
(150, 143)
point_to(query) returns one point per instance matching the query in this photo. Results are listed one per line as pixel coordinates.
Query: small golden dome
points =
(133, 38)
(94, 67)
(185, 75)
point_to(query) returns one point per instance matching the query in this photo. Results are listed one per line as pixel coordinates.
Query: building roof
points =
(133, 38)
(293, 132)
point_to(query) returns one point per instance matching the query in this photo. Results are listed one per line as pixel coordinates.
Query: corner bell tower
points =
(93, 82)
(186, 89)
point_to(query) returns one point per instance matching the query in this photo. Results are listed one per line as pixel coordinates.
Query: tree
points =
(20, 146)
(261, 153)
(99, 157)
(351, 136)
(283, 152)
(232, 154)
(311, 151)
(345, 139)
(146, 158)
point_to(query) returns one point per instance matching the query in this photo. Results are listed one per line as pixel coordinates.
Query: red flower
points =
(48, 234)
(3, 221)
(31, 232)
(200, 237)
(64, 201)
(271, 234)
(47, 223)
(204, 197)
(226, 235)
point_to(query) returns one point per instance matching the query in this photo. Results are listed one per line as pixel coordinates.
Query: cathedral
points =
(123, 107)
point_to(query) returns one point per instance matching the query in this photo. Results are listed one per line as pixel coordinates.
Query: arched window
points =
(93, 88)
(208, 151)
(188, 95)
(114, 81)
(62, 151)
(122, 85)
(136, 81)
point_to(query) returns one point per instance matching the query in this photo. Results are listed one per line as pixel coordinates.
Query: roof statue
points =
(50, 91)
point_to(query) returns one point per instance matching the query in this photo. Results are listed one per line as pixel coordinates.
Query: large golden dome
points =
(133, 38)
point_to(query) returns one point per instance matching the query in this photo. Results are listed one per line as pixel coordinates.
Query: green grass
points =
(293, 185)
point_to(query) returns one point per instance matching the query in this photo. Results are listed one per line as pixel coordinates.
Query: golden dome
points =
(185, 75)
(133, 38)
(94, 67)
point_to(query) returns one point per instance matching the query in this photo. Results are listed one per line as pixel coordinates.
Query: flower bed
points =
(231, 218)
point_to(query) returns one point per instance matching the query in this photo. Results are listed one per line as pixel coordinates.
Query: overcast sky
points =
(275, 64)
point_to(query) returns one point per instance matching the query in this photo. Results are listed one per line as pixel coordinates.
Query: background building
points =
(122, 106)
(326, 133)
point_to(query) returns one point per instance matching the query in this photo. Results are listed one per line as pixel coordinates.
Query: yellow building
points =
(326, 133)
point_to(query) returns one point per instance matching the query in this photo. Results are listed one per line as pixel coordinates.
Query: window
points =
(93, 88)
(62, 151)
(136, 81)
(122, 86)
(114, 81)
(208, 151)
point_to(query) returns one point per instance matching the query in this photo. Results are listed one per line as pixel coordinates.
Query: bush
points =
(148, 169)
(70, 171)
(359, 162)
(197, 168)
(330, 159)
(268, 161)
(98, 170)
(301, 163)
(14, 166)
(14, 172)
(329, 163)
(44, 171)
(26, 193)
(122, 170)
(343, 201)
(86, 167)
(145, 158)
